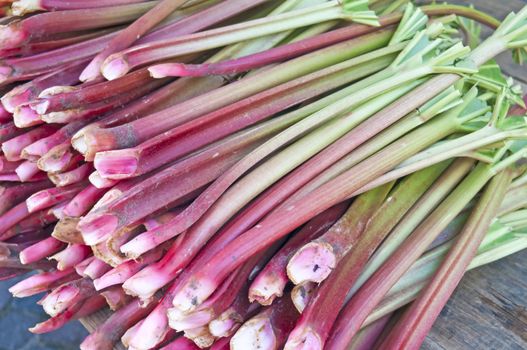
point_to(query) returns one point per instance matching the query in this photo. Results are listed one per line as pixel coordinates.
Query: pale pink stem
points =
(21, 7)
(27, 170)
(73, 176)
(96, 269)
(7, 166)
(127, 269)
(24, 117)
(71, 256)
(51, 196)
(80, 267)
(84, 201)
(42, 282)
(34, 222)
(13, 148)
(100, 182)
(39, 148)
(79, 310)
(40, 250)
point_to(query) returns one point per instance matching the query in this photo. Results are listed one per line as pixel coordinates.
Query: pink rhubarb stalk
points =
(42, 282)
(22, 7)
(73, 176)
(115, 297)
(14, 194)
(13, 148)
(83, 201)
(49, 197)
(27, 170)
(71, 256)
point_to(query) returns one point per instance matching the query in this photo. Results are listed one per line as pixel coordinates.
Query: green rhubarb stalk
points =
(417, 320)
(500, 242)
(371, 293)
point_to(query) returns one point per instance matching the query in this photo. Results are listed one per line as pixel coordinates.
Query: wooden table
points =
(488, 310)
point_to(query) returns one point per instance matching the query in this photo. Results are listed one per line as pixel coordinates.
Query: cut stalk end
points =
(115, 67)
(118, 164)
(311, 263)
(24, 117)
(256, 334)
(96, 228)
(169, 70)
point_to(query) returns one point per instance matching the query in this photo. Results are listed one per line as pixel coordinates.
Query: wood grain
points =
(488, 310)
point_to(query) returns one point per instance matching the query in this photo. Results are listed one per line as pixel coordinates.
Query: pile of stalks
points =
(265, 174)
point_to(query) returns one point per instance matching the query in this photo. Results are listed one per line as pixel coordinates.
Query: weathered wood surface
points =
(488, 310)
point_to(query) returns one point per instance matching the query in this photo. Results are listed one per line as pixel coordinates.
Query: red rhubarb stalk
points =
(132, 33)
(22, 7)
(14, 194)
(89, 111)
(143, 129)
(27, 92)
(208, 128)
(92, 139)
(83, 201)
(269, 329)
(7, 167)
(17, 69)
(9, 130)
(33, 223)
(20, 32)
(96, 269)
(39, 148)
(93, 93)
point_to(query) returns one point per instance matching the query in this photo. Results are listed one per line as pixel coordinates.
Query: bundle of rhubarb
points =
(266, 174)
